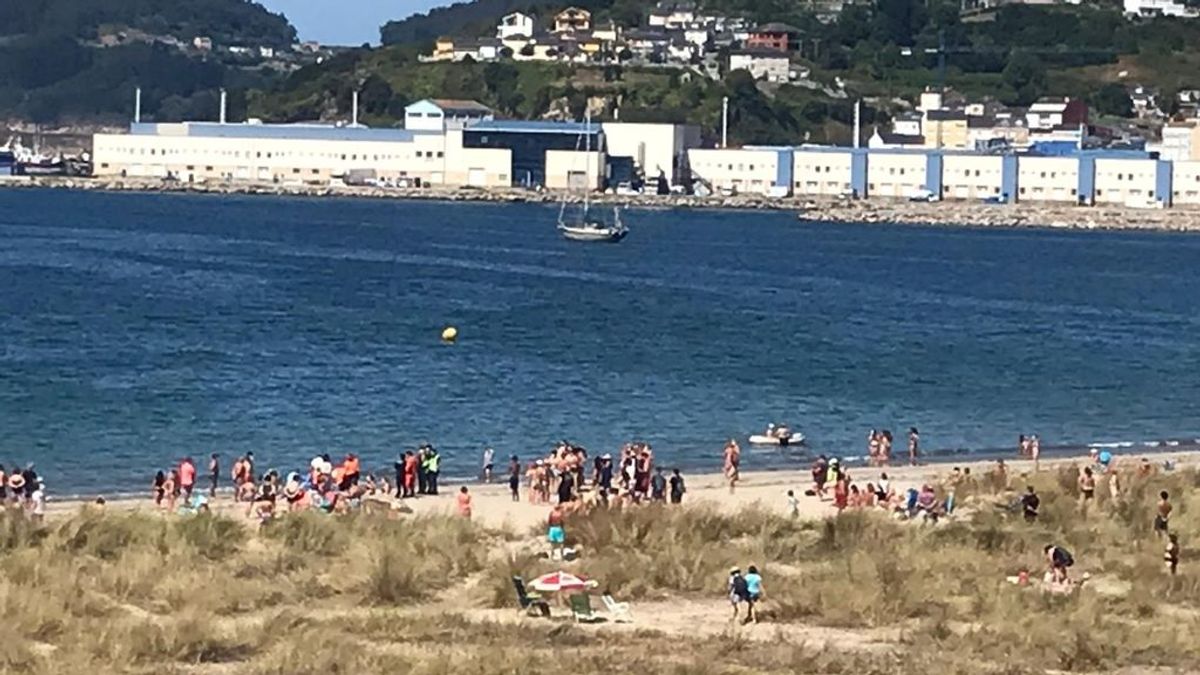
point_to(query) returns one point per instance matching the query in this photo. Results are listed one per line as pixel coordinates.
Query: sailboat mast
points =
(587, 159)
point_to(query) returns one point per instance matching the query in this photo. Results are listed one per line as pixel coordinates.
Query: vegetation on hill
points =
(391, 77)
(888, 48)
(51, 70)
(228, 21)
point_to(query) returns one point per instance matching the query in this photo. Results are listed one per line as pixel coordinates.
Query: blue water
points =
(140, 328)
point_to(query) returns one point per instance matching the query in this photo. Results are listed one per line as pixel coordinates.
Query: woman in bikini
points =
(170, 489)
(160, 480)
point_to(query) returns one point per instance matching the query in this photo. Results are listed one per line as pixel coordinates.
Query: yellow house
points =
(443, 49)
(945, 129)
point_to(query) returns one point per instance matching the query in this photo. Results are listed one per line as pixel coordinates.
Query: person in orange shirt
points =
(464, 502)
(187, 478)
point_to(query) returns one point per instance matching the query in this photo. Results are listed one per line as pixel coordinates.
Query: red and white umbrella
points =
(560, 581)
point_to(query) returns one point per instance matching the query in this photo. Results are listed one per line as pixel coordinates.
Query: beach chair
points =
(619, 611)
(581, 608)
(530, 601)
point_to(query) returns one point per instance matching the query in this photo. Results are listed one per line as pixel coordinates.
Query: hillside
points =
(222, 20)
(65, 61)
(392, 77)
(480, 17)
(1022, 53)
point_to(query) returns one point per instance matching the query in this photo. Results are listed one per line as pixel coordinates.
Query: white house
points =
(514, 24)
(699, 36)
(907, 124)
(674, 15)
(1159, 8)
(1180, 142)
(1049, 113)
(766, 65)
(681, 51)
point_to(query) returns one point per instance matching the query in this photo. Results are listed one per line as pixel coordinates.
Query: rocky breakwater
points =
(876, 210)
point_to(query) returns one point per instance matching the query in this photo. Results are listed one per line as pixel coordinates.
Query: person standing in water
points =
(914, 445)
(489, 457)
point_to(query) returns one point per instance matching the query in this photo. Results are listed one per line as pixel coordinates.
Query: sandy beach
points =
(435, 595)
(494, 507)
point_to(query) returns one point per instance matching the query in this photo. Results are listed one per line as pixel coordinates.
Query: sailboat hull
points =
(594, 234)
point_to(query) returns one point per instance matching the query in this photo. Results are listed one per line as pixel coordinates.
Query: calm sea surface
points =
(139, 328)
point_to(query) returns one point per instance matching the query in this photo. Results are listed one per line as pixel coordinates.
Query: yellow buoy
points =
(449, 334)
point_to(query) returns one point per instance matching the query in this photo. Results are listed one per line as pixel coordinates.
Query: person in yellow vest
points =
(433, 463)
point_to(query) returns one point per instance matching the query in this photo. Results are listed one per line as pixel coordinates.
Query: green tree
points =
(1025, 75)
(1112, 99)
(375, 95)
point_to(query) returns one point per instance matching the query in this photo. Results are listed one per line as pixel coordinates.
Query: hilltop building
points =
(573, 20)
(1151, 8)
(513, 25)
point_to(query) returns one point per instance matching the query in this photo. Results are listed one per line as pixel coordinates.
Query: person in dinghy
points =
(777, 434)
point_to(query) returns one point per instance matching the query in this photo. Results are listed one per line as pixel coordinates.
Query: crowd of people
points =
(831, 478)
(23, 489)
(879, 447)
(566, 476)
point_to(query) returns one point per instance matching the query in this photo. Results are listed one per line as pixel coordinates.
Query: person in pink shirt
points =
(187, 478)
(464, 502)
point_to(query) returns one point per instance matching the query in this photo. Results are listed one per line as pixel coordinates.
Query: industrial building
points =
(1102, 177)
(445, 143)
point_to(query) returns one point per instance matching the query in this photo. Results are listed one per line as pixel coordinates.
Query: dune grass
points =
(130, 592)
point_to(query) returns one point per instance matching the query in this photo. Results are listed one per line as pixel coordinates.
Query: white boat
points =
(585, 227)
(795, 438)
(592, 230)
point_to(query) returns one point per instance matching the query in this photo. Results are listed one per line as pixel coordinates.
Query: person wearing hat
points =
(16, 485)
(739, 591)
(292, 492)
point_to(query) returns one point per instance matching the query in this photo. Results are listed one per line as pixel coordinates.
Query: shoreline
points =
(766, 489)
(945, 457)
(878, 210)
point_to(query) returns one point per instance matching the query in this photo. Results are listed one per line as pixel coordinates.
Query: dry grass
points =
(319, 594)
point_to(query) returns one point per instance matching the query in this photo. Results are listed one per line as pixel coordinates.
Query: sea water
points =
(136, 329)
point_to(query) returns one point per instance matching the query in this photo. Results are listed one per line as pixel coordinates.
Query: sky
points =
(346, 22)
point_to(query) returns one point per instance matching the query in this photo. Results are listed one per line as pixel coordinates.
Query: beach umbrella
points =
(560, 581)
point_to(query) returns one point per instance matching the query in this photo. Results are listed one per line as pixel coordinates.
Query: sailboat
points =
(586, 227)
